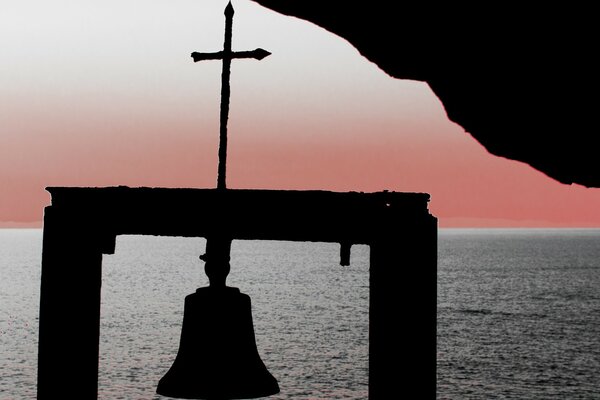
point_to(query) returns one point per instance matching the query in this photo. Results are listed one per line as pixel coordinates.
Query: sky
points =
(105, 93)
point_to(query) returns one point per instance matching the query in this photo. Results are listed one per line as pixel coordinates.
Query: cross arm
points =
(257, 54)
(207, 56)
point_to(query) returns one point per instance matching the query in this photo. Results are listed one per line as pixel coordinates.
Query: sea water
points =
(518, 313)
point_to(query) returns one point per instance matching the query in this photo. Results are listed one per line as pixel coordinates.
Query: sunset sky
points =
(104, 93)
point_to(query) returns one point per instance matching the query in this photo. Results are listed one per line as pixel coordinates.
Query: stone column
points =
(402, 307)
(69, 319)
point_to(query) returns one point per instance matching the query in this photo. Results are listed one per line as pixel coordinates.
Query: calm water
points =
(518, 314)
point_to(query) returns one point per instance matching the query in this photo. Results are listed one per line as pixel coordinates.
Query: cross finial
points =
(229, 10)
(218, 248)
(226, 55)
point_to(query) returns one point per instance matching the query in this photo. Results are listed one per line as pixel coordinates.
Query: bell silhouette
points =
(217, 357)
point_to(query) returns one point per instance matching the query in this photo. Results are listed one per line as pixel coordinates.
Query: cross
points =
(226, 55)
(218, 247)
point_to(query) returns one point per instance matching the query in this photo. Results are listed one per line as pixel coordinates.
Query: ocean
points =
(518, 313)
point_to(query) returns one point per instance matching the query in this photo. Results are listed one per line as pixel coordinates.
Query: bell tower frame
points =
(82, 224)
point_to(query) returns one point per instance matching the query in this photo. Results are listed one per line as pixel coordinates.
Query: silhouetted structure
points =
(82, 224)
(217, 357)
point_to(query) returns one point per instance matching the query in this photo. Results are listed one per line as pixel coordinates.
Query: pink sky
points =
(105, 93)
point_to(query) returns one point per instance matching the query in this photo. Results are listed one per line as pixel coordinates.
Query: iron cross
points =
(226, 55)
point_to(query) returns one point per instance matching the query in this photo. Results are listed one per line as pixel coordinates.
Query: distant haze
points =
(106, 93)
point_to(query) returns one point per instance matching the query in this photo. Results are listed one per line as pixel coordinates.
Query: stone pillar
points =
(402, 307)
(69, 319)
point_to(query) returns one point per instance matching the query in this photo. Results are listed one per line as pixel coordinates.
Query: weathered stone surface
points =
(521, 80)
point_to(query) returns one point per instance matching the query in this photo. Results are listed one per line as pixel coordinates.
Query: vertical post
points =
(225, 93)
(69, 310)
(402, 313)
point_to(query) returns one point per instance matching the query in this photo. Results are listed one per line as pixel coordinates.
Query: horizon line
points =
(5, 225)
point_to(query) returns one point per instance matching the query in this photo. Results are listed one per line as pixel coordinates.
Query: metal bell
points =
(217, 357)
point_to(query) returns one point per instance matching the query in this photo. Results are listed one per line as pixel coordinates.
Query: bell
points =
(217, 357)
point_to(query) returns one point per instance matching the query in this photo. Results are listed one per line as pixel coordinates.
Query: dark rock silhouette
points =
(521, 79)
(82, 224)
